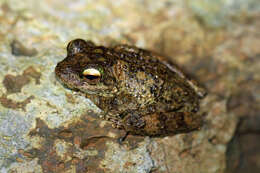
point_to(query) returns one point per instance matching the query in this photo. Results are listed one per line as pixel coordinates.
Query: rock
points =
(45, 127)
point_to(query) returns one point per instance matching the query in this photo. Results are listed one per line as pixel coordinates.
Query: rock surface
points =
(47, 128)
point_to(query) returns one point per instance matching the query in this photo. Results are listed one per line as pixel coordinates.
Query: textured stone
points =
(47, 128)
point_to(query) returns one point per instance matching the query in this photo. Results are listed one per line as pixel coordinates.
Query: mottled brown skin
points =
(138, 91)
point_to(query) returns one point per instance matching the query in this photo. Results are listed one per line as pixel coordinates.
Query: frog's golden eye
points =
(92, 75)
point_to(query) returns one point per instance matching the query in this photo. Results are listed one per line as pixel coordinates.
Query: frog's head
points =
(88, 68)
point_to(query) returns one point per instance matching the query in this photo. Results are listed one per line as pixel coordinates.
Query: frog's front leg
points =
(161, 123)
(113, 118)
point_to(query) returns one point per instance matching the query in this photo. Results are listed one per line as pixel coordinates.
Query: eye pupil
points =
(92, 77)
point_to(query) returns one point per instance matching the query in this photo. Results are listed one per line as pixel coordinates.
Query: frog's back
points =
(137, 90)
(153, 83)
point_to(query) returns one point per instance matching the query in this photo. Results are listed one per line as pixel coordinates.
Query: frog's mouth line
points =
(61, 81)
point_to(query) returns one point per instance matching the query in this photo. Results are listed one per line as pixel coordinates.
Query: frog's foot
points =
(116, 121)
(107, 117)
(121, 139)
(116, 124)
(103, 116)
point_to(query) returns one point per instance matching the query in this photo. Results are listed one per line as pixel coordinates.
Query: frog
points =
(137, 90)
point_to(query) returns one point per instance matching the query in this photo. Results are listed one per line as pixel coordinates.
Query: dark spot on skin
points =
(18, 49)
(135, 121)
(98, 50)
(153, 90)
